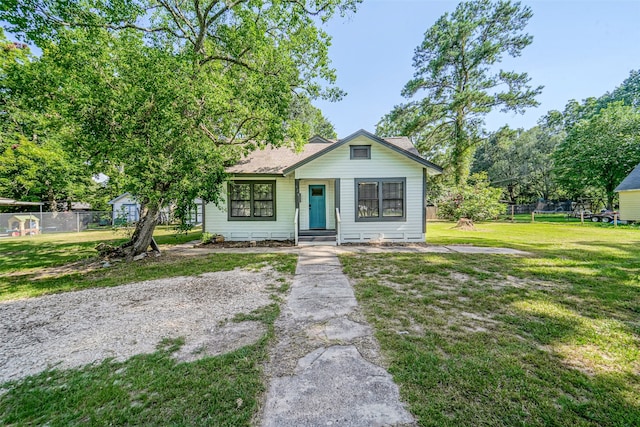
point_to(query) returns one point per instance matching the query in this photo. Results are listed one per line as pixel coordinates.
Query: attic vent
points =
(360, 152)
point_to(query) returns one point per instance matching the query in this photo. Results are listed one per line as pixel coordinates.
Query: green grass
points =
(32, 284)
(150, 389)
(552, 338)
(550, 217)
(47, 250)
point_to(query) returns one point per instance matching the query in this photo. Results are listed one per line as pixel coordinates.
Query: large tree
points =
(455, 69)
(600, 151)
(33, 164)
(169, 92)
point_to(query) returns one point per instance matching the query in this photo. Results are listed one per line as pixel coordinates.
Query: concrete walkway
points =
(326, 367)
(190, 249)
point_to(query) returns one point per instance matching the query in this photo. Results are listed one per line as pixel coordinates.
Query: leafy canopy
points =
(455, 72)
(599, 152)
(168, 93)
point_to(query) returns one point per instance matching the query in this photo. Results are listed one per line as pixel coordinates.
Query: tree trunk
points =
(460, 155)
(141, 238)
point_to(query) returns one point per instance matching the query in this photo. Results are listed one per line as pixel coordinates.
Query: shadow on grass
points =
(150, 389)
(29, 285)
(548, 339)
(25, 253)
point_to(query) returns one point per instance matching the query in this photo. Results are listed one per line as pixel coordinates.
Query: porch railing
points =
(338, 226)
(295, 225)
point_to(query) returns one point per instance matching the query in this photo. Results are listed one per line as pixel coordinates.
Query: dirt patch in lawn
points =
(77, 328)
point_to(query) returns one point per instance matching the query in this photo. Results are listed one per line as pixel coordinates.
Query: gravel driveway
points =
(77, 328)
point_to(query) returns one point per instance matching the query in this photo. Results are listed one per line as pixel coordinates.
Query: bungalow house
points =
(629, 193)
(125, 209)
(356, 189)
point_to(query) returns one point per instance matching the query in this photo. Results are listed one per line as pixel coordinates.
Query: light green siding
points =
(384, 163)
(630, 205)
(329, 199)
(282, 228)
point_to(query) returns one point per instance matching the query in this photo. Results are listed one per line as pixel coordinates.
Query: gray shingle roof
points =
(277, 160)
(632, 181)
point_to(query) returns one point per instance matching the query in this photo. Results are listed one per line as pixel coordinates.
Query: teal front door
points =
(317, 207)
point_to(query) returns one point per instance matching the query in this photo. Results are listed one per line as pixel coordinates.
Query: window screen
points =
(360, 151)
(381, 199)
(252, 200)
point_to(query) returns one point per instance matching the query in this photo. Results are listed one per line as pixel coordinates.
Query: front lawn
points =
(147, 389)
(547, 339)
(21, 254)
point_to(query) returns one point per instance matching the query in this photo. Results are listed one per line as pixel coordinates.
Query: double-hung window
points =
(252, 200)
(381, 199)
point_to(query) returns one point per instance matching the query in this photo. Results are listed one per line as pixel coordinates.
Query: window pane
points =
(392, 207)
(263, 191)
(316, 191)
(240, 191)
(392, 190)
(263, 208)
(393, 199)
(368, 209)
(367, 190)
(240, 208)
(368, 200)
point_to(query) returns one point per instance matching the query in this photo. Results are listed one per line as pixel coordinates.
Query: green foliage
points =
(312, 118)
(474, 199)
(166, 106)
(599, 152)
(453, 67)
(207, 237)
(520, 162)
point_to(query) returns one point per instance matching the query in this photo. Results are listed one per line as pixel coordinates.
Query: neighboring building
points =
(357, 189)
(126, 210)
(629, 192)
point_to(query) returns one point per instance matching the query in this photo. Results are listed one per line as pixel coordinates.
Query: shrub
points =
(475, 200)
(207, 237)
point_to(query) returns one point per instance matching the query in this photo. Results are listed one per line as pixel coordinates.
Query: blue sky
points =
(580, 49)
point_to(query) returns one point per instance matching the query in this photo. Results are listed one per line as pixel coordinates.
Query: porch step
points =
(317, 240)
(317, 233)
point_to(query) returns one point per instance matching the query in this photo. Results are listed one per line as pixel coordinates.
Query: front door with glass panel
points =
(317, 207)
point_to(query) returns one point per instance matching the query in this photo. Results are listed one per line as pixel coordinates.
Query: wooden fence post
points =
(533, 216)
(582, 217)
(512, 212)
(615, 220)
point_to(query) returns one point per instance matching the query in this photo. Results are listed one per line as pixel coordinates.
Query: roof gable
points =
(283, 160)
(631, 182)
(392, 143)
(122, 196)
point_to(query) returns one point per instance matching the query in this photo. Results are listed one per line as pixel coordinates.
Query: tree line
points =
(583, 152)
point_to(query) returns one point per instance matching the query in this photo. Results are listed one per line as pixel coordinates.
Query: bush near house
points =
(474, 199)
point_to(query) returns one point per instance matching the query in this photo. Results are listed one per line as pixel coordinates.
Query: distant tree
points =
(600, 151)
(455, 67)
(520, 162)
(628, 92)
(169, 97)
(313, 118)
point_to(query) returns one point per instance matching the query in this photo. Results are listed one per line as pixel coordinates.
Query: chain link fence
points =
(30, 223)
